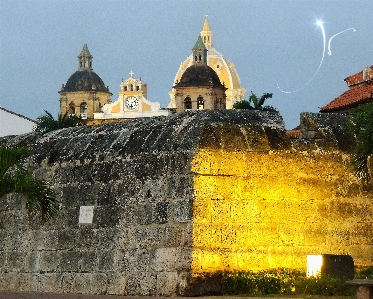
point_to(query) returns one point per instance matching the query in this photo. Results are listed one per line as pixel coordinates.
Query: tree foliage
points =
(15, 177)
(361, 126)
(254, 103)
(47, 123)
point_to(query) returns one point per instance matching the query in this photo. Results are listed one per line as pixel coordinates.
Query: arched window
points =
(83, 110)
(200, 103)
(71, 108)
(187, 103)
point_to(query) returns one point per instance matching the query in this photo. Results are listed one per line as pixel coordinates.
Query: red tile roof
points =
(360, 91)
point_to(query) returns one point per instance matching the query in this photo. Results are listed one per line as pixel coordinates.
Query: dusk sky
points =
(271, 43)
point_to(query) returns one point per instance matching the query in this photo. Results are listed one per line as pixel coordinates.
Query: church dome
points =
(84, 80)
(223, 67)
(199, 75)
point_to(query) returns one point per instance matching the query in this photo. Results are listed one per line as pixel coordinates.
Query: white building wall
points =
(14, 124)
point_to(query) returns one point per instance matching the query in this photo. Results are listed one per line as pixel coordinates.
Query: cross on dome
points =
(131, 73)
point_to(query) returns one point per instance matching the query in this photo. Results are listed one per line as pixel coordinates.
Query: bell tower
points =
(85, 59)
(199, 52)
(206, 34)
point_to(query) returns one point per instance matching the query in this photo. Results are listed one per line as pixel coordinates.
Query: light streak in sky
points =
(330, 39)
(320, 24)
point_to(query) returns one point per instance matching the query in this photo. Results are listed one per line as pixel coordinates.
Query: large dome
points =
(224, 68)
(84, 80)
(199, 75)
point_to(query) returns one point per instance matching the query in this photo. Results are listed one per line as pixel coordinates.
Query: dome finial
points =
(85, 59)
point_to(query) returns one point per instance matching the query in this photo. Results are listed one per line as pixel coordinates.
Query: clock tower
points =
(131, 92)
(132, 102)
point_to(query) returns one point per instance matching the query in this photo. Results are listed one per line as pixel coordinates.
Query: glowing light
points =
(320, 24)
(314, 263)
(330, 52)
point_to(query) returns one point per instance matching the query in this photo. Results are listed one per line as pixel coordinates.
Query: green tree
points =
(361, 126)
(15, 177)
(47, 123)
(254, 103)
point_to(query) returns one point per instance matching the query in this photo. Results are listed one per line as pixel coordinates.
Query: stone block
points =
(98, 283)
(117, 283)
(144, 214)
(106, 261)
(67, 239)
(166, 283)
(161, 212)
(133, 261)
(143, 284)
(51, 282)
(3, 261)
(82, 283)
(16, 260)
(49, 261)
(164, 259)
(70, 261)
(32, 263)
(182, 210)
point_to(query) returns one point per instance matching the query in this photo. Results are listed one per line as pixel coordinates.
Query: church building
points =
(225, 70)
(199, 87)
(131, 103)
(84, 92)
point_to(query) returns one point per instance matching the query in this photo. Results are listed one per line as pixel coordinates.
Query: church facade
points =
(225, 70)
(84, 92)
(131, 103)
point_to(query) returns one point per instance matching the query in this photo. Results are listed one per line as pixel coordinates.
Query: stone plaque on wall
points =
(86, 215)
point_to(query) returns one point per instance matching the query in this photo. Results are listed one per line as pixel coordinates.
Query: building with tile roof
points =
(360, 92)
(12, 123)
(225, 70)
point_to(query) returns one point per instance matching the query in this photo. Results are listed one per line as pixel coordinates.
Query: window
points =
(83, 110)
(200, 103)
(187, 103)
(71, 108)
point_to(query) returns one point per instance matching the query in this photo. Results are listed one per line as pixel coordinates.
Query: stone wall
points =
(178, 199)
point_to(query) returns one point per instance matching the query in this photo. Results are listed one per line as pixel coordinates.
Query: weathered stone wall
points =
(177, 199)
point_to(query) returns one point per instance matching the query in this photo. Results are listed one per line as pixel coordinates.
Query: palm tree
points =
(15, 177)
(47, 123)
(361, 126)
(254, 103)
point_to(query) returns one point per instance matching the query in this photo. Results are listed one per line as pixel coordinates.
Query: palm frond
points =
(12, 156)
(15, 177)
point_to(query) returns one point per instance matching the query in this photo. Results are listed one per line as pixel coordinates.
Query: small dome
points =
(85, 80)
(199, 75)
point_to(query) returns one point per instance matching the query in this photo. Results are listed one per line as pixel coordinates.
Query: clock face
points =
(132, 103)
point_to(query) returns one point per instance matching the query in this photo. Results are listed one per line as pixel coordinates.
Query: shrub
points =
(283, 281)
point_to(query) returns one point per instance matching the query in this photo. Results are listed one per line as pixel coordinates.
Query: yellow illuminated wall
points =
(261, 210)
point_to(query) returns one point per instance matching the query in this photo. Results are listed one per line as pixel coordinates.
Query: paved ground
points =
(35, 295)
